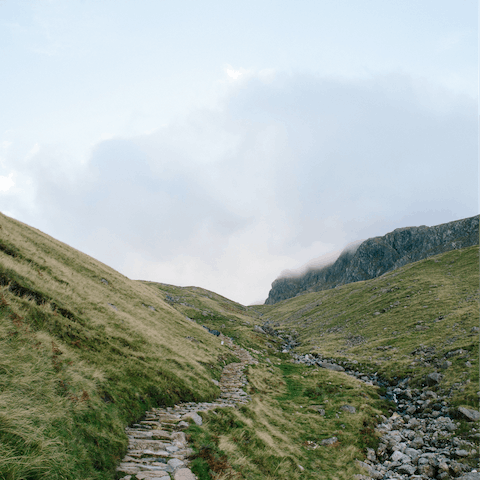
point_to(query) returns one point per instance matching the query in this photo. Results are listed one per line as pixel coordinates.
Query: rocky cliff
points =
(379, 255)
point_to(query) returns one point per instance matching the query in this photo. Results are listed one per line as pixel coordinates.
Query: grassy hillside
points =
(211, 310)
(281, 428)
(83, 352)
(402, 324)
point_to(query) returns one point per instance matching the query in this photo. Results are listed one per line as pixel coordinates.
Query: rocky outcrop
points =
(379, 255)
(421, 440)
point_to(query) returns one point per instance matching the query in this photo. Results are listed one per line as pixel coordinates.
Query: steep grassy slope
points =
(83, 352)
(402, 324)
(213, 311)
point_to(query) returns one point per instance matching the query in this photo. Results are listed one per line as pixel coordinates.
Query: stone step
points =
(158, 449)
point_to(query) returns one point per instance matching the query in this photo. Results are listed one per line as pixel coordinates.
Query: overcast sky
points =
(218, 143)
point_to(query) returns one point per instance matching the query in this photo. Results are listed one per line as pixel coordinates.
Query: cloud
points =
(6, 182)
(277, 173)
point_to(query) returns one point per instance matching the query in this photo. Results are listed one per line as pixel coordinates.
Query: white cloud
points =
(6, 183)
(226, 198)
(232, 73)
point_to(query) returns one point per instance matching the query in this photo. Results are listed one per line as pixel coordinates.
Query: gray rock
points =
(468, 414)
(412, 453)
(411, 410)
(372, 472)
(179, 437)
(319, 409)
(417, 442)
(184, 474)
(433, 378)
(195, 417)
(259, 329)
(175, 463)
(427, 470)
(371, 455)
(407, 469)
(348, 408)
(379, 255)
(398, 456)
(470, 476)
(446, 364)
(331, 366)
(329, 441)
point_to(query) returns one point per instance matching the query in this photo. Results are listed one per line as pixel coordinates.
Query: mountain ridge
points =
(378, 255)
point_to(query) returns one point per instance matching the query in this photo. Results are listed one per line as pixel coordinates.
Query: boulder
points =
(433, 378)
(329, 441)
(398, 456)
(331, 366)
(195, 417)
(407, 468)
(470, 476)
(371, 471)
(259, 329)
(469, 414)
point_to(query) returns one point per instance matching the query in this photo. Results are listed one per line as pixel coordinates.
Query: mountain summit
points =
(379, 255)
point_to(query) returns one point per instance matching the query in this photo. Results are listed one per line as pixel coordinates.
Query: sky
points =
(220, 143)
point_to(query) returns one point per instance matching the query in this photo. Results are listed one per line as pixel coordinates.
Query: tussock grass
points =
(278, 430)
(82, 356)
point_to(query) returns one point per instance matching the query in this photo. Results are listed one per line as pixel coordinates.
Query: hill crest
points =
(378, 255)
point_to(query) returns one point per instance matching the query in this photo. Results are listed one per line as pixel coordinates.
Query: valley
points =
(86, 353)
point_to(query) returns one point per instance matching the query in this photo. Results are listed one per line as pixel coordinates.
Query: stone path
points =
(157, 446)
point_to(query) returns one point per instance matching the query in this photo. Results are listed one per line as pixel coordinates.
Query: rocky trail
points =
(419, 440)
(157, 446)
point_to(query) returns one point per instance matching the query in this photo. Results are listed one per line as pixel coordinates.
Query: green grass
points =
(400, 325)
(82, 355)
(279, 430)
(74, 369)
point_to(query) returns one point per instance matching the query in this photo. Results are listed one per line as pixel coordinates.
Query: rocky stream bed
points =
(419, 440)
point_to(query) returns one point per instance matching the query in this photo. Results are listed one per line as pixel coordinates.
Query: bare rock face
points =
(379, 255)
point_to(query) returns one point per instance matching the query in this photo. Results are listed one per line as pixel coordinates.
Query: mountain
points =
(86, 352)
(379, 255)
